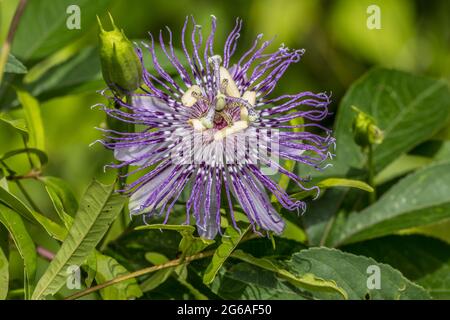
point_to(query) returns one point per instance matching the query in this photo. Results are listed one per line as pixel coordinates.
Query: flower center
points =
(229, 112)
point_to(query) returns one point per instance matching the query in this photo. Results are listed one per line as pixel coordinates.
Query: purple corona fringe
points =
(160, 112)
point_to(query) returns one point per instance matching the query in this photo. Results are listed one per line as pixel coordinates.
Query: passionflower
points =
(211, 131)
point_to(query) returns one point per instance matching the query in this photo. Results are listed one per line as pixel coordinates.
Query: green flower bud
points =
(365, 131)
(121, 67)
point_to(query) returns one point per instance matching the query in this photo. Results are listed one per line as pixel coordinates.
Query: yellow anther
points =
(231, 87)
(191, 95)
(250, 97)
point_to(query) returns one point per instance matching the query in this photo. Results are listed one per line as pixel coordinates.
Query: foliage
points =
(385, 207)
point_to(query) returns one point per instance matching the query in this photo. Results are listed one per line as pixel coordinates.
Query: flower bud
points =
(121, 67)
(365, 131)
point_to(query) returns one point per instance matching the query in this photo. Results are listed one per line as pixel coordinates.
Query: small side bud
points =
(121, 67)
(365, 131)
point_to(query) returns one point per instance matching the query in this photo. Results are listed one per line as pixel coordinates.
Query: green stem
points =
(6, 47)
(172, 263)
(26, 195)
(371, 174)
(19, 185)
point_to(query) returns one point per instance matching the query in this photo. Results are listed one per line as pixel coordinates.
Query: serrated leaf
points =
(107, 268)
(99, 206)
(420, 199)
(351, 273)
(13, 65)
(306, 280)
(230, 240)
(244, 281)
(409, 109)
(24, 244)
(424, 260)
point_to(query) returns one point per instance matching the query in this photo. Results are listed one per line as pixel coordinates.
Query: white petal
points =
(137, 199)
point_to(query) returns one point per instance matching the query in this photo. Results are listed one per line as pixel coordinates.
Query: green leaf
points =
(59, 208)
(18, 124)
(409, 109)
(99, 206)
(332, 183)
(189, 244)
(321, 215)
(307, 280)
(82, 73)
(52, 228)
(159, 276)
(79, 73)
(437, 230)
(403, 165)
(247, 282)
(34, 122)
(51, 34)
(420, 199)
(426, 261)
(39, 153)
(15, 66)
(230, 240)
(63, 191)
(337, 182)
(4, 275)
(350, 272)
(107, 268)
(24, 244)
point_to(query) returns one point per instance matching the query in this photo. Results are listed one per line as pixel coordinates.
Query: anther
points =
(231, 88)
(191, 96)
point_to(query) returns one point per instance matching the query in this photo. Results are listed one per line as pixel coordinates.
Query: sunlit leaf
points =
(99, 206)
(420, 199)
(230, 240)
(47, 19)
(34, 121)
(24, 244)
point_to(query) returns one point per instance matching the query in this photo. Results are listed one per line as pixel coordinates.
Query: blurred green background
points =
(415, 36)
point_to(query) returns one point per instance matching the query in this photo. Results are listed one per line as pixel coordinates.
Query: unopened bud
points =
(365, 131)
(121, 67)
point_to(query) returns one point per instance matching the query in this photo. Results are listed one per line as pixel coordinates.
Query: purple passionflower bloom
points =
(214, 130)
